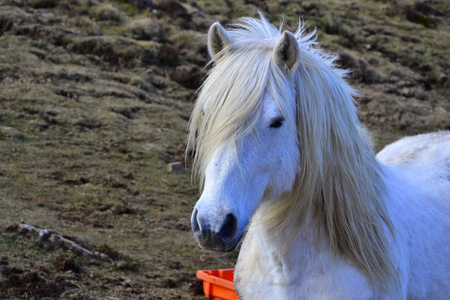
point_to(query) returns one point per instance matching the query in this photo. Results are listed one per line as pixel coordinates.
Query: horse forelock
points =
(226, 107)
(340, 180)
(229, 100)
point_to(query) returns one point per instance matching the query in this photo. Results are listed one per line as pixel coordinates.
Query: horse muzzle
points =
(224, 237)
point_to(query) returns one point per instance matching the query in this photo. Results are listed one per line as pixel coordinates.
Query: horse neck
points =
(283, 263)
(310, 235)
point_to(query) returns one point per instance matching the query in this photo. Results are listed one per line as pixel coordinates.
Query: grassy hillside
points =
(94, 101)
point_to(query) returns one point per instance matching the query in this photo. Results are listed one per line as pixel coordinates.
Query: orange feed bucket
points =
(218, 284)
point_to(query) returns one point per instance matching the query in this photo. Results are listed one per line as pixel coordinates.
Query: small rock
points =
(44, 235)
(176, 167)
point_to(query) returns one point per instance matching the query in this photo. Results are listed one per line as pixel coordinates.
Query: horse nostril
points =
(229, 228)
(194, 222)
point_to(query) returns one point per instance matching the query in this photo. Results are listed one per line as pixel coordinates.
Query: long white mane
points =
(340, 180)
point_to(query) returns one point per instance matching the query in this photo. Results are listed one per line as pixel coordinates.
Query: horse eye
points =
(276, 124)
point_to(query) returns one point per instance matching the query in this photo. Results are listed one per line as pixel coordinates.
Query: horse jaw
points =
(264, 164)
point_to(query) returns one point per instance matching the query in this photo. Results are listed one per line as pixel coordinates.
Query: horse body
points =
(418, 211)
(418, 171)
(287, 168)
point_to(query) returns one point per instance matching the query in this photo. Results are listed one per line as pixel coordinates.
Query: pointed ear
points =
(286, 52)
(218, 39)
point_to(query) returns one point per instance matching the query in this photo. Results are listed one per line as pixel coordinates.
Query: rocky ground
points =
(94, 101)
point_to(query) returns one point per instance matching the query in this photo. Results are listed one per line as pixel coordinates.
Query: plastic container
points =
(218, 284)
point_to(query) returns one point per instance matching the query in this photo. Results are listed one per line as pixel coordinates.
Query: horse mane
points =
(340, 180)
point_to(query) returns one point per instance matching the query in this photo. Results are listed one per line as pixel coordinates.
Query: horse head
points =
(246, 134)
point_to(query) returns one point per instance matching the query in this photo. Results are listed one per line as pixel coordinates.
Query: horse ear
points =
(218, 39)
(286, 53)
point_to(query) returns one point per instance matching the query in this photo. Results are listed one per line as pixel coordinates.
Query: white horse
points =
(285, 165)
